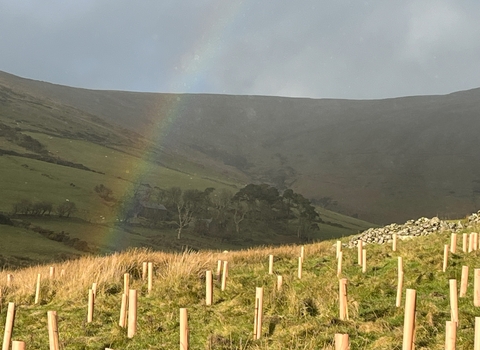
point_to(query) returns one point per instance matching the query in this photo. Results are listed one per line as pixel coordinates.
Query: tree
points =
(104, 192)
(66, 209)
(187, 204)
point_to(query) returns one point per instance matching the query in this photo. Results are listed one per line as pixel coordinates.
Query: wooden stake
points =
(144, 271)
(257, 322)
(224, 275)
(18, 345)
(7, 336)
(476, 287)
(476, 344)
(132, 313)
(464, 281)
(53, 330)
(37, 289)
(299, 274)
(219, 269)
(52, 272)
(464, 242)
(342, 298)
(91, 302)
(445, 257)
(453, 243)
(150, 277)
(364, 260)
(339, 264)
(360, 252)
(94, 289)
(126, 283)
(453, 300)
(398, 301)
(409, 320)
(341, 341)
(123, 311)
(270, 264)
(339, 248)
(475, 240)
(208, 288)
(183, 329)
(302, 252)
(450, 335)
(470, 242)
(394, 242)
(9, 280)
(279, 282)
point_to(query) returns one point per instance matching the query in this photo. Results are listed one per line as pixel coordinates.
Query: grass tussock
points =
(302, 315)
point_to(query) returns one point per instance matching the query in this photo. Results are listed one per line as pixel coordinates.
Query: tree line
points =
(254, 208)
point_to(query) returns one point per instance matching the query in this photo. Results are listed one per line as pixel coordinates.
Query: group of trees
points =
(43, 208)
(254, 208)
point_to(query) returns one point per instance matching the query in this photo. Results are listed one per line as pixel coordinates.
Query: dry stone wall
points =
(414, 228)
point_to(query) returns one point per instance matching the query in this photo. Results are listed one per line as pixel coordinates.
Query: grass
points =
(303, 315)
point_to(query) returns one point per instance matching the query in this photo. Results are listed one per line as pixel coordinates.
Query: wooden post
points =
(360, 252)
(52, 330)
(270, 264)
(409, 320)
(183, 329)
(339, 248)
(299, 274)
(302, 252)
(18, 345)
(475, 240)
(91, 301)
(208, 288)
(339, 264)
(9, 280)
(224, 275)
(453, 243)
(453, 300)
(37, 289)
(150, 277)
(464, 242)
(341, 341)
(257, 322)
(464, 281)
(52, 272)
(476, 287)
(132, 313)
(394, 242)
(342, 298)
(123, 311)
(219, 269)
(470, 242)
(7, 336)
(94, 289)
(144, 271)
(445, 257)
(450, 335)
(398, 301)
(279, 282)
(364, 260)
(476, 344)
(126, 283)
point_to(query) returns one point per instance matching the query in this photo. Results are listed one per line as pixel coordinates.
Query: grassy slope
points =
(304, 315)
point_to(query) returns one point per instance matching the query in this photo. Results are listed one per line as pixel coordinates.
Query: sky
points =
(309, 48)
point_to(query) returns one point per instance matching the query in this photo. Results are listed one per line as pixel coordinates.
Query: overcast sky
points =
(311, 48)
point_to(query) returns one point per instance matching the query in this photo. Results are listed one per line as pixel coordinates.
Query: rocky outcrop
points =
(413, 228)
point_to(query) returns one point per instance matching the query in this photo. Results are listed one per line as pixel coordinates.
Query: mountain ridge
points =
(381, 160)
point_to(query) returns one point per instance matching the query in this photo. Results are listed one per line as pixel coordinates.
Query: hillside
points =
(381, 160)
(304, 314)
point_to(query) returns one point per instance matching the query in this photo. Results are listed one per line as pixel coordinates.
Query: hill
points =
(381, 160)
(304, 314)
